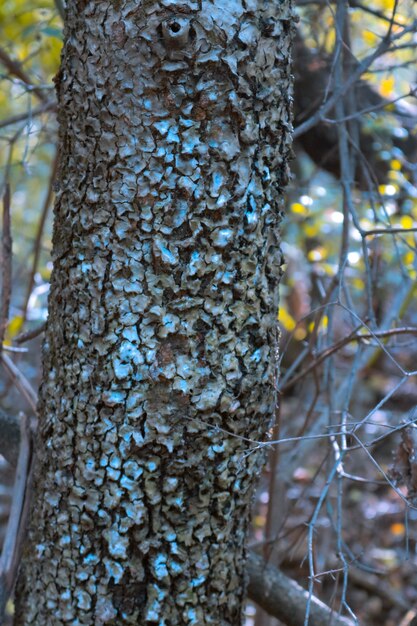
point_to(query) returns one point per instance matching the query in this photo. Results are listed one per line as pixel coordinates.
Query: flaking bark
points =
(174, 138)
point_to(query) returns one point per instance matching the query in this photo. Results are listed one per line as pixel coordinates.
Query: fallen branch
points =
(285, 599)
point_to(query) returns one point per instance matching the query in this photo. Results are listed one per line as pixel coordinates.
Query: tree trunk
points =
(160, 349)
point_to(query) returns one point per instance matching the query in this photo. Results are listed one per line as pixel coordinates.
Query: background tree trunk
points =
(160, 349)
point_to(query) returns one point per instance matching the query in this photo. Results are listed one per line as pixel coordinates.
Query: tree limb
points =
(20, 381)
(28, 115)
(285, 599)
(30, 334)
(15, 69)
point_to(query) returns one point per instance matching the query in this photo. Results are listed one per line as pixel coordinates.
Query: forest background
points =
(336, 507)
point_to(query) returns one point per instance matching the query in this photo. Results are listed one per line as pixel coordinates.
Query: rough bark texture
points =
(175, 129)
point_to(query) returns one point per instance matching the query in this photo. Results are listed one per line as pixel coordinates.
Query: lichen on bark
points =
(159, 358)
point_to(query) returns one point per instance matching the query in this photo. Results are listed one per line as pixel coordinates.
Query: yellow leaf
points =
(311, 230)
(259, 521)
(14, 327)
(388, 5)
(407, 221)
(395, 164)
(286, 320)
(358, 283)
(330, 36)
(299, 209)
(386, 87)
(370, 38)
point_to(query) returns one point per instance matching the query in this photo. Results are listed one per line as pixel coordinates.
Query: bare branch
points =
(31, 334)
(362, 67)
(27, 115)
(354, 5)
(15, 69)
(20, 381)
(285, 599)
(325, 354)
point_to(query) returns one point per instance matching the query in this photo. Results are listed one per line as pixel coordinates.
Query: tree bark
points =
(175, 125)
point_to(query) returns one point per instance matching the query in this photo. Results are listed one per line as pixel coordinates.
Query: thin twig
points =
(387, 231)
(362, 67)
(354, 5)
(371, 109)
(15, 349)
(325, 354)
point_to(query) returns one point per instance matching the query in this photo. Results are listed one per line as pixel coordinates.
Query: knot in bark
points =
(176, 32)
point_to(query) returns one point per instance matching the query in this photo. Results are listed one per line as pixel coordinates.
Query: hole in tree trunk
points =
(175, 27)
